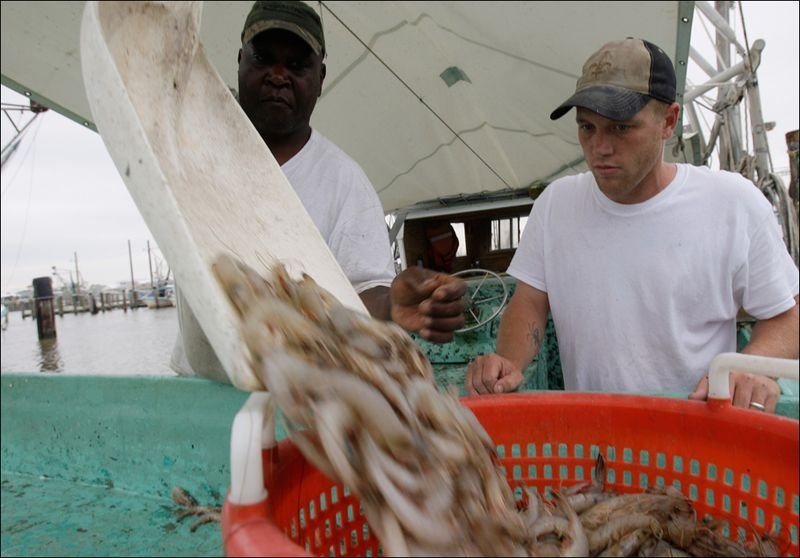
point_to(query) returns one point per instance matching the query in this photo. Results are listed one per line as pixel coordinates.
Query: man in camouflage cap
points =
(644, 263)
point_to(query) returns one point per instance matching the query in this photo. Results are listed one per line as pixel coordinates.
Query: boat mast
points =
(737, 83)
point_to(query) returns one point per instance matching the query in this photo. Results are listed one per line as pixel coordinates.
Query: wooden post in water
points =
(43, 301)
(61, 306)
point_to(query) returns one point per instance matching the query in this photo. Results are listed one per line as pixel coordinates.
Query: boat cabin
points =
(468, 232)
(474, 237)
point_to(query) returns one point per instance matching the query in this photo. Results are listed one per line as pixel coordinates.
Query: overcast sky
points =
(61, 193)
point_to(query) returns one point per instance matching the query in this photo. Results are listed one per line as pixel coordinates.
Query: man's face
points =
(624, 156)
(280, 79)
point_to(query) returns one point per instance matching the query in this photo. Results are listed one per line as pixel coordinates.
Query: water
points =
(133, 343)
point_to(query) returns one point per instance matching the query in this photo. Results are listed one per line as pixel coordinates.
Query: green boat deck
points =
(88, 463)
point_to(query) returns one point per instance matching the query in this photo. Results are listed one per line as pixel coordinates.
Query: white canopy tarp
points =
(433, 99)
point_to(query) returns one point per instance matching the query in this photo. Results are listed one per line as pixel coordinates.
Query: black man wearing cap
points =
(281, 72)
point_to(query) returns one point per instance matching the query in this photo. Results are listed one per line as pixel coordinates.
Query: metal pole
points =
(760, 144)
(730, 148)
(133, 284)
(721, 23)
(152, 287)
(77, 275)
(716, 81)
(150, 264)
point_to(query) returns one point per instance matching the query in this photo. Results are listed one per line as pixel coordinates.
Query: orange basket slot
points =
(736, 465)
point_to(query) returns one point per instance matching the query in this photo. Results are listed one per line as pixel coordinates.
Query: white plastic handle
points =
(253, 429)
(723, 363)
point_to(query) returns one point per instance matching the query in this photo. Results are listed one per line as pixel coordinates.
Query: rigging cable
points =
(12, 145)
(414, 93)
(27, 207)
(7, 155)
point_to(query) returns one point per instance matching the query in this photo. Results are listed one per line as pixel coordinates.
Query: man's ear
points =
(671, 117)
(322, 73)
(239, 58)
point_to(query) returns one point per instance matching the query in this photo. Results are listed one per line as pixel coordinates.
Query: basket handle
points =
(253, 429)
(723, 363)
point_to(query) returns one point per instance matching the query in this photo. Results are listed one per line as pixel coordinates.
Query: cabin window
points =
(507, 232)
(462, 239)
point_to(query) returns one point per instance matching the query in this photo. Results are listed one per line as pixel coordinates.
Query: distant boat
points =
(158, 302)
(164, 299)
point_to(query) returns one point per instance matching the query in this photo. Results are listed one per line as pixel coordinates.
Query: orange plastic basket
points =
(736, 465)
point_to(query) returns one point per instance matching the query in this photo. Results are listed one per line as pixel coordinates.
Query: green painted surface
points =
(53, 517)
(88, 463)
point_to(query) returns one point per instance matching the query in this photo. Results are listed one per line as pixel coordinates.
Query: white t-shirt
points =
(643, 296)
(346, 209)
(344, 206)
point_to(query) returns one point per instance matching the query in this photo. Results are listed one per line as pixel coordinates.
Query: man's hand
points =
(749, 391)
(492, 374)
(428, 302)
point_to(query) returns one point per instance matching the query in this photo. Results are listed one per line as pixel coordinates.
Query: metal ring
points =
(758, 406)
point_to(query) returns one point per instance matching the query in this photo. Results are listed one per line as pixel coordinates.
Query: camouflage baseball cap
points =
(620, 79)
(296, 17)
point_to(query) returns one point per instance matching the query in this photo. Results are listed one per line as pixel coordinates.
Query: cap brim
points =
(611, 102)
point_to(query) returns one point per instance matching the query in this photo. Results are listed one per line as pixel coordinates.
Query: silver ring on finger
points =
(758, 406)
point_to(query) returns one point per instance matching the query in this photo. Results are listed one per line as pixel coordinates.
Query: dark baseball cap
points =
(620, 79)
(296, 17)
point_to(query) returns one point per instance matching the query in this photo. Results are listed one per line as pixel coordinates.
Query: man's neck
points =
(666, 175)
(284, 148)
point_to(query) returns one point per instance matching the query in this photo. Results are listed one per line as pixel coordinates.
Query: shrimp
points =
(615, 529)
(359, 400)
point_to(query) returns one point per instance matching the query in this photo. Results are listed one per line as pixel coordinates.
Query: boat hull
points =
(160, 302)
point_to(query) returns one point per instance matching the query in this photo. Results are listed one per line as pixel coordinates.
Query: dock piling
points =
(43, 304)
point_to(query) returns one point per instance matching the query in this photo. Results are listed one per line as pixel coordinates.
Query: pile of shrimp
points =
(588, 519)
(358, 398)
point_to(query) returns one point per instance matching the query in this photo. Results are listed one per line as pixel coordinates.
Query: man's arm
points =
(428, 302)
(377, 302)
(420, 300)
(773, 337)
(518, 341)
(777, 336)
